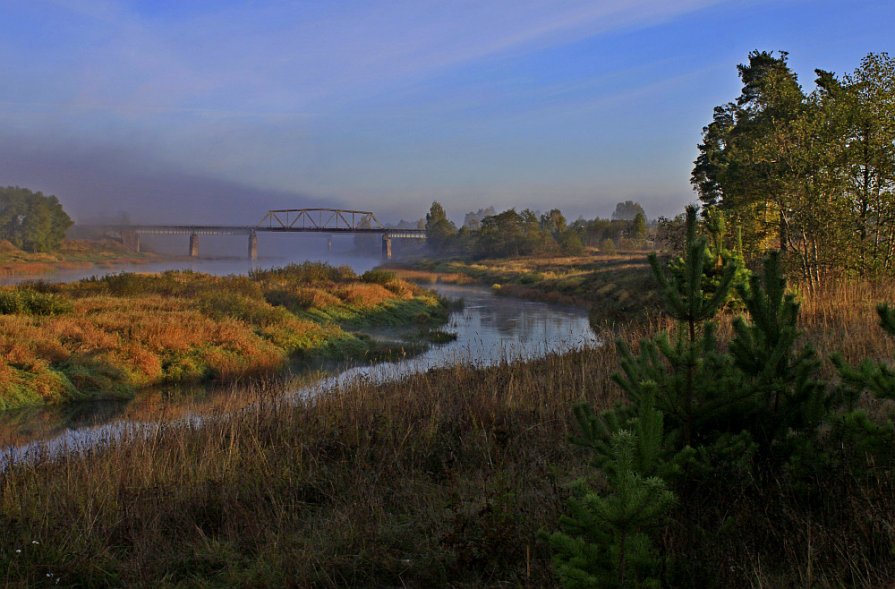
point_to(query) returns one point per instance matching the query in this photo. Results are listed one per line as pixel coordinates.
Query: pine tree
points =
(876, 377)
(781, 378)
(685, 373)
(604, 541)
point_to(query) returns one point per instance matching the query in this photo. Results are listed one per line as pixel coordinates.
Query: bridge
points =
(328, 221)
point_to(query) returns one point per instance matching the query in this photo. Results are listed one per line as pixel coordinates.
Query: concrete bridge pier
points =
(386, 247)
(194, 245)
(130, 239)
(253, 246)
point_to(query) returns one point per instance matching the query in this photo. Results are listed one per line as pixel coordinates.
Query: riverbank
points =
(444, 479)
(110, 336)
(73, 254)
(614, 288)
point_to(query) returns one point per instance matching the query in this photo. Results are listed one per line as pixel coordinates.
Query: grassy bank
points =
(613, 287)
(73, 254)
(443, 479)
(110, 336)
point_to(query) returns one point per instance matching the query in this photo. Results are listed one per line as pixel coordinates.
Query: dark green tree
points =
(784, 392)
(32, 221)
(439, 229)
(553, 222)
(605, 538)
(638, 226)
(686, 372)
(627, 210)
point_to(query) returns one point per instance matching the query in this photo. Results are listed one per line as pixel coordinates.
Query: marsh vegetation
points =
(109, 336)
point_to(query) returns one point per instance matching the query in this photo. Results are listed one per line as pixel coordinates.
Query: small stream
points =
(490, 330)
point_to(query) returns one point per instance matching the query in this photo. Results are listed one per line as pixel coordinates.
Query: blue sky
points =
(178, 108)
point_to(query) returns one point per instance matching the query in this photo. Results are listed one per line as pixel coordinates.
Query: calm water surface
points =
(489, 329)
(217, 267)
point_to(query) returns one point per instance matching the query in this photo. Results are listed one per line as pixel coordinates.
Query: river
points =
(489, 330)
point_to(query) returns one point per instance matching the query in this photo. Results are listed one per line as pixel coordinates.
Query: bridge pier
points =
(386, 247)
(130, 239)
(253, 246)
(329, 244)
(194, 245)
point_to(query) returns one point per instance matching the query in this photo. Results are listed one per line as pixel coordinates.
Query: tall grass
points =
(442, 479)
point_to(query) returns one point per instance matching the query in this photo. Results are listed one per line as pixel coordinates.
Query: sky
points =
(217, 110)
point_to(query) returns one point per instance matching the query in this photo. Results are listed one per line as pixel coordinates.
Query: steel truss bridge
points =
(327, 221)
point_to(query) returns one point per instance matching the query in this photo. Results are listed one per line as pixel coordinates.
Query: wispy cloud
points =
(254, 58)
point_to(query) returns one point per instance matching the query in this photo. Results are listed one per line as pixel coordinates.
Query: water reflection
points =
(490, 330)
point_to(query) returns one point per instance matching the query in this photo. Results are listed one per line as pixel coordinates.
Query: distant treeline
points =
(487, 233)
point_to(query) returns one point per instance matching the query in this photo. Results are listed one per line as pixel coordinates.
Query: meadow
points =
(110, 336)
(448, 478)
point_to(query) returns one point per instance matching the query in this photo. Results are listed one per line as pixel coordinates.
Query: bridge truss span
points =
(320, 220)
(313, 220)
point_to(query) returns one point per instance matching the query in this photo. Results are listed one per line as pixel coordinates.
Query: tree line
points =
(487, 233)
(809, 173)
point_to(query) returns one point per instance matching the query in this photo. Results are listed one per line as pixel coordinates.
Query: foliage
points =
(31, 302)
(509, 234)
(439, 229)
(686, 370)
(604, 542)
(378, 276)
(627, 211)
(638, 226)
(671, 233)
(786, 393)
(32, 221)
(811, 174)
(752, 418)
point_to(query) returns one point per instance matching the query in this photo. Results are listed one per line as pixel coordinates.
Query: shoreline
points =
(73, 254)
(614, 289)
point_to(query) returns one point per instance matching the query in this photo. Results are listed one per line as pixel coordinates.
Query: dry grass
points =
(132, 331)
(444, 478)
(429, 277)
(613, 287)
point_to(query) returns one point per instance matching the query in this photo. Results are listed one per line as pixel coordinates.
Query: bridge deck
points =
(249, 229)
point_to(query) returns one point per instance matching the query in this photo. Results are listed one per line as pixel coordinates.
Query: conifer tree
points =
(781, 379)
(685, 373)
(604, 540)
(876, 377)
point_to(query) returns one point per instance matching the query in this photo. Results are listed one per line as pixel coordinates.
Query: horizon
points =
(222, 110)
